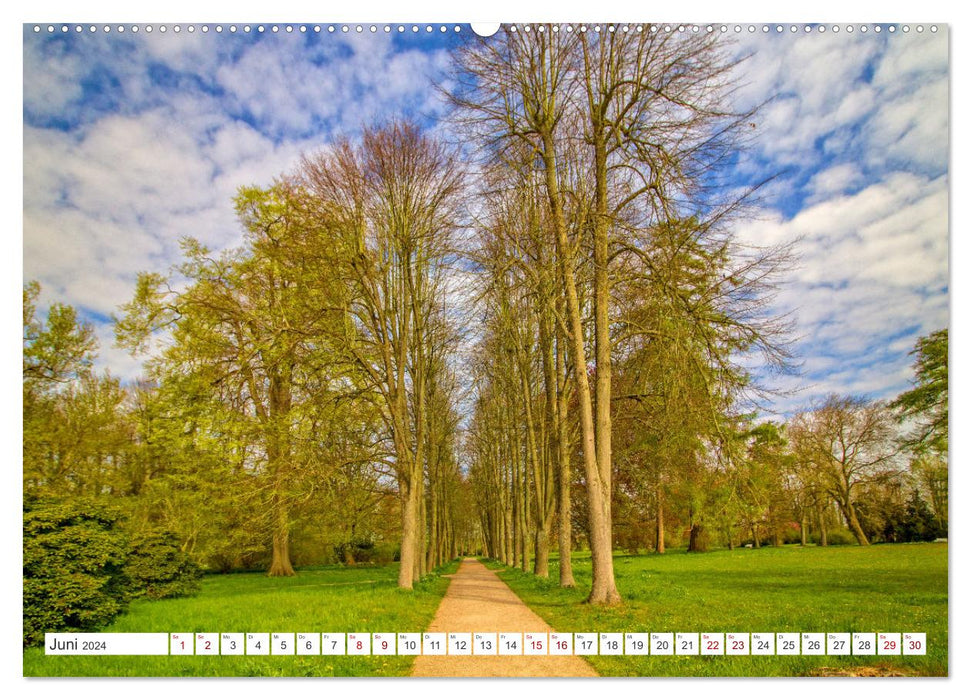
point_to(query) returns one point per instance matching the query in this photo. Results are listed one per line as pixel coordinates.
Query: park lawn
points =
(320, 599)
(882, 588)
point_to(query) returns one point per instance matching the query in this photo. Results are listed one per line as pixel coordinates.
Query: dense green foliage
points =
(82, 567)
(74, 567)
(928, 400)
(158, 568)
(912, 521)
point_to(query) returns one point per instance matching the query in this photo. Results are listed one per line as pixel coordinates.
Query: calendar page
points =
(525, 349)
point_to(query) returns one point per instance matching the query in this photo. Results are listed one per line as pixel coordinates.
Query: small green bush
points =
(791, 534)
(912, 522)
(74, 557)
(158, 568)
(840, 537)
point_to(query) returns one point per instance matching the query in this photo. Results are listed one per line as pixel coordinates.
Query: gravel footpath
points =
(478, 601)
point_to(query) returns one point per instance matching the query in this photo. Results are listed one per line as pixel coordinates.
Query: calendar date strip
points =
(487, 644)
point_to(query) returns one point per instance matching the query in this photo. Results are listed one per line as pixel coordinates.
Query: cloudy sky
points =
(134, 139)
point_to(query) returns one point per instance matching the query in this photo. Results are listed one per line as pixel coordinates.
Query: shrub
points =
(839, 537)
(74, 556)
(158, 568)
(355, 552)
(791, 534)
(833, 537)
(81, 569)
(385, 553)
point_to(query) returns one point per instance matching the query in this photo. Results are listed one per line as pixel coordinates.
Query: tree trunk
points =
(279, 402)
(517, 540)
(604, 589)
(854, 524)
(421, 541)
(541, 563)
(524, 523)
(698, 539)
(280, 565)
(821, 520)
(659, 546)
(803, 524)
(544, 448)
(564, 472)
(507, 524)
(409, 533)
(434, 549)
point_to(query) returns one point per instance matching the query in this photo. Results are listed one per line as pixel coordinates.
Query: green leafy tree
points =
(389, 206)
(253, 325)
(76, 434)
(58, 350)
(927, 402)
(931, 473)
(192, 473)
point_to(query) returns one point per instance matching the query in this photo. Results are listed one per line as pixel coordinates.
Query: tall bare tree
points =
(391, 205)
(849, 443)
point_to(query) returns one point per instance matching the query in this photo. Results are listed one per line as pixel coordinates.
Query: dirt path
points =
(478, 601)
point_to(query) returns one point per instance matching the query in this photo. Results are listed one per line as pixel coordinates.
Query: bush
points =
(366, 551)
(355, 552)
(839, 537)
(791, 534)
(81, 569)
(74, 557)
(158, 568)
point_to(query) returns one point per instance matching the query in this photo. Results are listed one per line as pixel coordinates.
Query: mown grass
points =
(883, 588)
(324, 599)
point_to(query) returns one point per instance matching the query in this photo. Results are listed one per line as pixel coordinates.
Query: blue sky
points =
(133, 140)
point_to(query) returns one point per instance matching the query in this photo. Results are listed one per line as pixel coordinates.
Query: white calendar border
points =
(563, 10)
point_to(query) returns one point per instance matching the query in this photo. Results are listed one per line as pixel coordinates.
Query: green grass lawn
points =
(325, 599)
(883, 588)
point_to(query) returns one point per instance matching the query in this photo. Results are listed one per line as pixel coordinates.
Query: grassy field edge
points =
(884, 588)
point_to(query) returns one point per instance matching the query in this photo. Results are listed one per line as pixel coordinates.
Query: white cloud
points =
(911, 57)
(835, 180)
(871, 280)
(49, 91)
(913, 128)
(815, 82)
(112, 194)
(871, 102)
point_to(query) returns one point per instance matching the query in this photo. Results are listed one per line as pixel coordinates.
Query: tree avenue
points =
(626, 133)
(548, 338)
